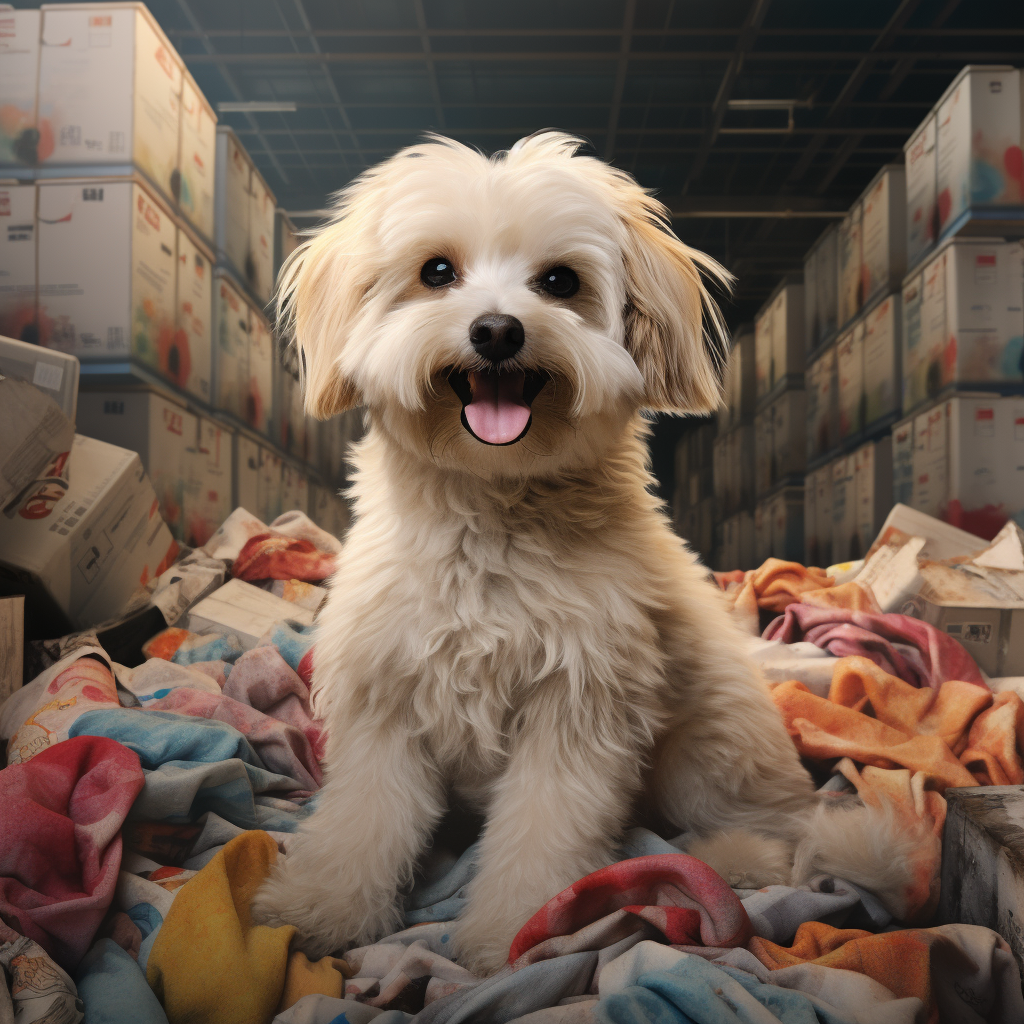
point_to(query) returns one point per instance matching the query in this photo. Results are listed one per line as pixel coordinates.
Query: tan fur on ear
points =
(680, 357)
(320, 289)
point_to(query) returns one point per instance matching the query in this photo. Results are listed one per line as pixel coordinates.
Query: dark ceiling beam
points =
(744, 44)
(435, 89)
(621, 68)
(229, 81)
(577, 56)
(906, 64)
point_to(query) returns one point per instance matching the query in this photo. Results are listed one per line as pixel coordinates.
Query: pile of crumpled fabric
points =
(142, 806)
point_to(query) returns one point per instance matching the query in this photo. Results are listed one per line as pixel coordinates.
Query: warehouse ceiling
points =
(663, 89)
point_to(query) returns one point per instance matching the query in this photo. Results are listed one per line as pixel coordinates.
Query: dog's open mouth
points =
(496, 406)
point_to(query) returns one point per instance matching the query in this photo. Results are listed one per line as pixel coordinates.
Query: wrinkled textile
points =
(241, 526)
(60, 818)
(271, 557)
(913, 650)
(777, 584)
(114, 990)
(231, 970)
(40, 990)
(955, 967)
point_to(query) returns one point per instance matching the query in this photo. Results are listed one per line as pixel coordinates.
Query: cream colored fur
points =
(517, 625)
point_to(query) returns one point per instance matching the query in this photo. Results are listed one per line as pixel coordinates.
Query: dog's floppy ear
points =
(320, 290)
(673, 328)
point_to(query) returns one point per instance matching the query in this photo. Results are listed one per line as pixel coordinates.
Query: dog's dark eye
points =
(560, 282)
(437, 272)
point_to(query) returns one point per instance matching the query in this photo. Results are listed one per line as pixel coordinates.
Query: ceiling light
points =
(255, 107)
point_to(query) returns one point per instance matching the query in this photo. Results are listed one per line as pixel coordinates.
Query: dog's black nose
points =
(496, 336)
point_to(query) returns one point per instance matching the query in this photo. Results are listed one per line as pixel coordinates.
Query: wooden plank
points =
(983, 862)
(12, 644)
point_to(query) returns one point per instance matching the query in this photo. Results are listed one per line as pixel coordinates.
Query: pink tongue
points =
(497, 413)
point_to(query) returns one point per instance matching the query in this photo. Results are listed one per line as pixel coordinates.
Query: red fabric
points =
(688, 902)
(60, 819)
(913, 650)
(269, 556)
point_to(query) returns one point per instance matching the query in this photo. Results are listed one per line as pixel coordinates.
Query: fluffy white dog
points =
(513, 621)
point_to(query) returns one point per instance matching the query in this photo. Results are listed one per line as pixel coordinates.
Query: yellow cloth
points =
(210, 963)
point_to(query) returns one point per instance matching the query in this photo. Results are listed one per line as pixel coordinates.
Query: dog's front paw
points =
(482, 942)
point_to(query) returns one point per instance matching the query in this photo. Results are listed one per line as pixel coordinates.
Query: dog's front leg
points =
(556, 815)
(339, 883)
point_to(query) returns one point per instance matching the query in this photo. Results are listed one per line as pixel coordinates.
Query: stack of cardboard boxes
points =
(695, 508)
(141, 238)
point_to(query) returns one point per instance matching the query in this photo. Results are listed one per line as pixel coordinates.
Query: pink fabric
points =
(684, 899)
(282, 747)
(270, 556)
(913, 650)
(262, 679)
(60, 819)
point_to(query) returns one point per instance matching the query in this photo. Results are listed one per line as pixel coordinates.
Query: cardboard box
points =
(321, 506)
(190, 360)
(789, 435)
(846, 544)
(245, 611)
(259, 396)
(884, 227)
(850, 263)
(820, 295)
(822, 386)
(913, 385)
(883, 352)
(786, 510)
(286, 239)
(80, 550)
(19, 75)
(850, 369)
(763, 337)
(931, 462)
(208, 491)
(787, 321)
(971, 317)
(812, 542)
(763, 451)
(978, 142)
(294, 488)
(922, 210)
(740, 383)
(822, 483)
(18, 238)
(160, 431)
(109, 90)
(744, 540)
(233, 200)
(198, 155)
(742, 458)
(246, 464)
(107, 271)
(762, 533)
(232, 324)
(262, 206)
(54, 373)
(872, 468)
(903, 462)
(270, 486)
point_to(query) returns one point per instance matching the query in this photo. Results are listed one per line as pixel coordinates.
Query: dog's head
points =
(504, 315)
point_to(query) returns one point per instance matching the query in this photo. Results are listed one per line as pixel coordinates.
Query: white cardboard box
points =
(922, 211)
(850, 368)
(742, 393)
(110, 90)
(231, 326)
(845, 538)
(903, 462)
(246, 462)
(786, 509)
(190, 363)
(818, 516)
(873, 487)
(882, 356)
(822, 385)
(161, 431)
(88, 546)
(884, 227)
(931, 461)
(270, 486)
(198, 156)
(787, 332)
(913, 384)
(233, 201)
(260, 392)
(262, 205)
(19, 75)
(971, 319)
(850, 263)
(789, 434)
(294, 488)
(763, 351)
(820, 280)
(978, 142)
(208, 490)
(54, 373)
(107, 271)
(763, 451)
(18, 258)
(246, 611)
